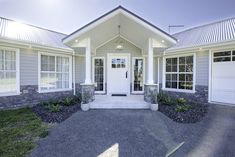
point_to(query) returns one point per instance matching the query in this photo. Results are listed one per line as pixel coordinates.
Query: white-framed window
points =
(99, 74)
(9, 71)
(55, 72)
(138, 74)
(179, 73)
(224, 56)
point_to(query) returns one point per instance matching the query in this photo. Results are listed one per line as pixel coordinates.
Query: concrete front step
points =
(119, 102)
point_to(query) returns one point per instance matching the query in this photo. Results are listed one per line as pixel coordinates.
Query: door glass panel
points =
(99, 74)
(138, 75)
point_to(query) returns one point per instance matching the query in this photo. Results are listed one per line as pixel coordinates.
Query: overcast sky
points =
(68, 15)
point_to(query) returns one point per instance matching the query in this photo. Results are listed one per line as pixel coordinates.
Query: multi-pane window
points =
(138, 74)
(54, 73)
(8, 72)
(118, 63)
(99, 74)
(179, 73)
(224, 56)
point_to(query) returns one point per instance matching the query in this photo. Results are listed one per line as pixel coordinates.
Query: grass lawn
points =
(19, 131)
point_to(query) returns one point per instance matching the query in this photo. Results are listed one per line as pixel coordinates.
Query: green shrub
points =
(181, 101)
(52, 106)
(161, 97)
(69, 101)
(165, 99)
(183, 108)
(55, 107)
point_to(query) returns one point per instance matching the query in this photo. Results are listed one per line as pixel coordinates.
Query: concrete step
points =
(114, 102)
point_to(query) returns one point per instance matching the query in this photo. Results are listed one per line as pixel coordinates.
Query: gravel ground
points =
(193, 115)
(138, 133)
(55, 117)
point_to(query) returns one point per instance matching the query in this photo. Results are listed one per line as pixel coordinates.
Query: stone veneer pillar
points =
(88, 95)
(150, 93)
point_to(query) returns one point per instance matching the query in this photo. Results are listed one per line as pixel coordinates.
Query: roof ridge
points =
(34, 26)
(204, 25)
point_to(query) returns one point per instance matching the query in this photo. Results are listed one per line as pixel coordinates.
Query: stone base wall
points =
(88, 93)
(150, 93)
(29, 96)
(201, 94)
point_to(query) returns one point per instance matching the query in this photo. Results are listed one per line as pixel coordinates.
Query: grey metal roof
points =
(212, 33)
(16, 31)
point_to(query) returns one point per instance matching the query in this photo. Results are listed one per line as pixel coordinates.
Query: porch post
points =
(88, 62)
(150, 62)
(87, 88)
(150, 89)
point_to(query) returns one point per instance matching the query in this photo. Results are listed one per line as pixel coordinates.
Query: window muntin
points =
(99, 74)
(8, 72)
(138, 74)
(118, 63)
(179, 73)
(225, 56)
(54, 74)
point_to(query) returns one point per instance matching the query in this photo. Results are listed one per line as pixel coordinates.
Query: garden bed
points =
(193, 115)
(57, 111)
(181, 110)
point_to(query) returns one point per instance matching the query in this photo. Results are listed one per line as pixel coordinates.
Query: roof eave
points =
(118, 9)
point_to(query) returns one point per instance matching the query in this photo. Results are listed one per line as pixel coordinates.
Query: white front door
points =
(118, 74)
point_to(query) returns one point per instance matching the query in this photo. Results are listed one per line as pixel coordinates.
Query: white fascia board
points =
(21, 44)
(201, 47)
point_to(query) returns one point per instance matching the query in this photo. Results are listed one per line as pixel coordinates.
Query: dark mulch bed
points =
(55, 117)
(193, 115)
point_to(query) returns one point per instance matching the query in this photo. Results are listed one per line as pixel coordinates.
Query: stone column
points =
(88, 95)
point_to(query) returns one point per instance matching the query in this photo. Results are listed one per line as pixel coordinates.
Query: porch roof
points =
(132, 27)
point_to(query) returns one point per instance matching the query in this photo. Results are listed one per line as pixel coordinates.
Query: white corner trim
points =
(210, 77)
(39, 72)
(132, 78)
(104, 74)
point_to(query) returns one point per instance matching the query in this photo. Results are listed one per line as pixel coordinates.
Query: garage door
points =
(223, 77)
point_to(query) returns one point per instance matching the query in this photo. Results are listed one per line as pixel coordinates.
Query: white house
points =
(119, 53)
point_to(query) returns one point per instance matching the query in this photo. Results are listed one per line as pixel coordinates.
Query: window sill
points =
(9, 94)
(178, 90)
(59, 90)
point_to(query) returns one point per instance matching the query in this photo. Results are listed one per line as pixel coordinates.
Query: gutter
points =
(200, 47)
(33, 45)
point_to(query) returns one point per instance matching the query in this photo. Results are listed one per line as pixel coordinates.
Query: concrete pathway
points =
(140, 133)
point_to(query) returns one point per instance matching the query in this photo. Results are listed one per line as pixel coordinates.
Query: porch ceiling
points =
(132, 28)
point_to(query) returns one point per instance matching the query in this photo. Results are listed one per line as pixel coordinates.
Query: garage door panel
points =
(223, 82)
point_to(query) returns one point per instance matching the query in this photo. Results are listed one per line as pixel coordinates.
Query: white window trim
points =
(93, 73)
(194, 73)
(39, 72)
(132, 80)
(17, 72)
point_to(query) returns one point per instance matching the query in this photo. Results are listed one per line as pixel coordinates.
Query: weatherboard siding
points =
(80, 69)
(202, 68)
(28, 67)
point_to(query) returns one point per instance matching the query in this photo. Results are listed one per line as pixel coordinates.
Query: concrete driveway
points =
(140, 133)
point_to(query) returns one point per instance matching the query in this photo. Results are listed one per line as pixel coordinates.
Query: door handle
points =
(126, 74)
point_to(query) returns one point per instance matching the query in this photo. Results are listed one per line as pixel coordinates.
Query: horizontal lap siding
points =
(79, 69)
(28, 67)
(202, 68)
